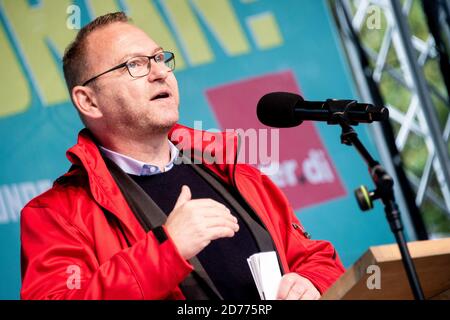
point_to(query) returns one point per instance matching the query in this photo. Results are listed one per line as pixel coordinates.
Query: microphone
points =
(285, 110)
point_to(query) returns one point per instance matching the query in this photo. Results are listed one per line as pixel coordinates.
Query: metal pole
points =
(384, 140)
(419, 82)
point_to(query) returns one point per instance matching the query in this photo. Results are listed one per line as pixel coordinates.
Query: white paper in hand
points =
(266, 273)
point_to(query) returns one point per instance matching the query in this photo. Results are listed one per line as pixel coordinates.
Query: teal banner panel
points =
(229, 53)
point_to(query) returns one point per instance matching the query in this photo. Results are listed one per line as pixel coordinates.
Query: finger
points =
(220, 232)
(207, 203)
(185, 196)
(284, 287)
(223, 214)
(310, 294)
(209, 209)
(212, 222)
(297, 291)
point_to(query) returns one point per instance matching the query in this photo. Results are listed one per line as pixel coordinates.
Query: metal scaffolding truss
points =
(419, 117)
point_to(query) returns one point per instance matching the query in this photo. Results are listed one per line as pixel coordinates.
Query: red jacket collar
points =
(217, 151)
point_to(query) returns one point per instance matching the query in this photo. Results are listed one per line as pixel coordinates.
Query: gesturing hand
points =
(193, 224)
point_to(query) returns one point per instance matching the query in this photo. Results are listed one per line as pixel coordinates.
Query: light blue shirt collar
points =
(136, 167)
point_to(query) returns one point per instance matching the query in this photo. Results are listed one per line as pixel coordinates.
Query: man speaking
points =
(140, 214)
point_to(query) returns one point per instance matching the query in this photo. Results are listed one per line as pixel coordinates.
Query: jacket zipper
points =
(302, 230)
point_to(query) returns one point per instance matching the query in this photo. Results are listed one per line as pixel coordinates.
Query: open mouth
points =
(161, 95)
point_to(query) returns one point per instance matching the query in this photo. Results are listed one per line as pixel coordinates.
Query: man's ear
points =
(86, 102)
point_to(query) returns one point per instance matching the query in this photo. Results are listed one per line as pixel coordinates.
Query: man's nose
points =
(158, 71)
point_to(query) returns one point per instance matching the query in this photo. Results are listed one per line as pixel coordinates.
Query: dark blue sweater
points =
(225, 260)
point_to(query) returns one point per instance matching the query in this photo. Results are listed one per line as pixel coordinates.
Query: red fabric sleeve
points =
(53, 250)
(316, 260)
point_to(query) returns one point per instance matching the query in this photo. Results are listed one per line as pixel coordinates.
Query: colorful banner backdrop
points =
(303, 165)
(229, 53)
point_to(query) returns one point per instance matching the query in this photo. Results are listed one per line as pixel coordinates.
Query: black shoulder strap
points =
(260, 234)
(197, 285)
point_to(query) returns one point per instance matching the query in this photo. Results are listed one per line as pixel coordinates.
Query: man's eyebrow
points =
(135, 54)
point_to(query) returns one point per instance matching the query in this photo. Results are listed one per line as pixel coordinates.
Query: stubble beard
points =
(146, 125)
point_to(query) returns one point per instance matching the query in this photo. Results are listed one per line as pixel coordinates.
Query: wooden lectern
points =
(431, 259)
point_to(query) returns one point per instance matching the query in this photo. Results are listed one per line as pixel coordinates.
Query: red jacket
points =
(66, 236)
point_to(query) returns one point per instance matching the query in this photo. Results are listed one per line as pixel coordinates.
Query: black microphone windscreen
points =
(277, 109)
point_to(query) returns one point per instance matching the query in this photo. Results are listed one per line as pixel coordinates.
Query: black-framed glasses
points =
(140, 66)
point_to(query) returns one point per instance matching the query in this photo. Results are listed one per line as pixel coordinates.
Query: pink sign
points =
(303, 168)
